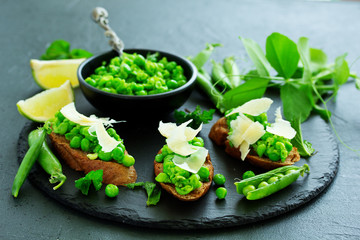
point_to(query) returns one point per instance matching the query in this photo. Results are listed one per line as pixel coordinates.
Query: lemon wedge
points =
(52, 73)
(45, 104)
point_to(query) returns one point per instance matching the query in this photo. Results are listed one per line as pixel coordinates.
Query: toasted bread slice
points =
(114, 173)
(195, 194)
(219, 132)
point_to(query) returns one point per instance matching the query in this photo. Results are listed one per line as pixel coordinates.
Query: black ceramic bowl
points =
(129, 106)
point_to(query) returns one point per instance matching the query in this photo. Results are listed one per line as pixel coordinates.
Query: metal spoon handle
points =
(100, 16)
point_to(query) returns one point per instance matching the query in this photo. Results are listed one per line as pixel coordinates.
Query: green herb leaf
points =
(80, 53)
(153, 192)
(60, 49)
(304, 147)
(304, 51)
(341, 70)
(197, 115)
(282, 54)
(83, 184)
(257, 56)
(254, 87)
(318, 59)
(296, 101)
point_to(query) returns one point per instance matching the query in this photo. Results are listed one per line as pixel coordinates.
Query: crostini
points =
(85, 145)
(247, 135)
(183, 166)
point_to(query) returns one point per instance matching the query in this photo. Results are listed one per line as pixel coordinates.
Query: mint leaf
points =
(197, 116)
(152, 190)
(80, 53)
(282, 54)
(60, 49)
(95, 177)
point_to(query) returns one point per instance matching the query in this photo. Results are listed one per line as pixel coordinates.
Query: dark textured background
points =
(181, 27)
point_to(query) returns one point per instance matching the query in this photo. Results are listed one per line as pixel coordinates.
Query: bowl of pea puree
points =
(138, 83)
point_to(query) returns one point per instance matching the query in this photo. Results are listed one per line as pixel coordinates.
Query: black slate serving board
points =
(142, 140)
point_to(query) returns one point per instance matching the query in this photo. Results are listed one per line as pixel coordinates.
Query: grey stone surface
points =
(181, 27)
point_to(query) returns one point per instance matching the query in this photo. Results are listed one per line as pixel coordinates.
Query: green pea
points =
(92, 156)
(262, 184)
(159, 158)
(184, 190)
(60, 116)
(194, 180)
(290, 171)
(170, 66)
(279, 175)
(163, 178)
(105, 156)
(280, 146)
(288, 146)
(111, 131)
(62, 128)
(141, 93)
(139, 60)
(168, 158)
(128, 160)
(111, 190)
(260, 150)
(248, 174)
(221, 192)
(91, 82)
(219, 179)
(248, 188)
(172, 84)
(274, 155)
(85, 144)
(181, 82)
(204, 173)
(272, 180)
(75, 142)
(118, 154)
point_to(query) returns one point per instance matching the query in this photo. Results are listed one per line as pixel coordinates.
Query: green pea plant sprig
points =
(303, 76)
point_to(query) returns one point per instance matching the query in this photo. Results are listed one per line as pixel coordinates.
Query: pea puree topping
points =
(133, 74)
(93, 139)
(270, 140)
(184, 181)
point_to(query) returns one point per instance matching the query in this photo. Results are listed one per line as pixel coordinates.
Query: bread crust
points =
(219, 132)
(195, 194)
(113, 172)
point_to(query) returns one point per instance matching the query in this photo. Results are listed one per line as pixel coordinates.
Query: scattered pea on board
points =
(265, 184)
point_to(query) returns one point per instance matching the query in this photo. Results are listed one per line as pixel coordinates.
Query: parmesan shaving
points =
(69, 111)
(106, 142)
(192, 163)
(281, 127)
(254, 107)
(177, 137)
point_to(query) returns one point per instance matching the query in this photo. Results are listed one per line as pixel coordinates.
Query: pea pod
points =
(232, 71)
(27, 163)
(47, 160)
(219, 76)
(202, 57)
(277, 179)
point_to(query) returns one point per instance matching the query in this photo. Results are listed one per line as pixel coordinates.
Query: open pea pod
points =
(287, 175)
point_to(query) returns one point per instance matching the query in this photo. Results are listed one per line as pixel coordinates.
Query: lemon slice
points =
(45, 104)
(53, 73)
